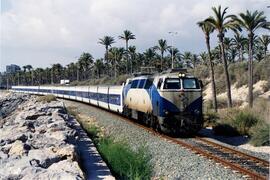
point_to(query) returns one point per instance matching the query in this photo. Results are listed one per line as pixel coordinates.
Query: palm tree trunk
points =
(115, 67)
(127, 55)
(227, 78)
(250, 70)
(161, 61)
(213, 84)
(241, 53)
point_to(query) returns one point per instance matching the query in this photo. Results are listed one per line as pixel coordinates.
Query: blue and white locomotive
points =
(170, 102)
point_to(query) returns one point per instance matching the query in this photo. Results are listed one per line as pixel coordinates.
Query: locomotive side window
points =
(134, 84)
(142, 81)
(172, 83)
(159, 83)
(148, 83)
(190, 83)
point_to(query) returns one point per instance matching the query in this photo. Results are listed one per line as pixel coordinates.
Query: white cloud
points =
(45, 31)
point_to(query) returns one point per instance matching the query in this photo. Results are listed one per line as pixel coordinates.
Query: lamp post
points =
(172, 33)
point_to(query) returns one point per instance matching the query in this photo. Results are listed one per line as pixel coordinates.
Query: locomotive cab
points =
(179, 106)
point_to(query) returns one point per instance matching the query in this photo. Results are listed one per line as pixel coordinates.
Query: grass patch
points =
(260, 134)
(243, 121)
(124, 162)
(46, 98)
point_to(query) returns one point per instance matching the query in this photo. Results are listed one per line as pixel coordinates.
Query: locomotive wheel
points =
(155, 124)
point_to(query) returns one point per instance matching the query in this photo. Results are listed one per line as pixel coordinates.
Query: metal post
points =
(173, 33)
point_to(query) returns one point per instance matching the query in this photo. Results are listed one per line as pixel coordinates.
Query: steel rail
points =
(262, 161)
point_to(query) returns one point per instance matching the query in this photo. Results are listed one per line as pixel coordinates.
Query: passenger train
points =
(170, 102)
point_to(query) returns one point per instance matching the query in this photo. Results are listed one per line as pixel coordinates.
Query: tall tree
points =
(115, 54)
(107, 41)
(187, 57)
(132, 53)
(207, 30)
(174, 54)
(162, 47)
(238, 41)
(265, 41)
(251, 21)
(85, 63)
(30, 68)
(127, 35)
(221, 22)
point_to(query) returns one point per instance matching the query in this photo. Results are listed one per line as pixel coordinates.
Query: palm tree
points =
(221, 22)
(98, 66)
(116, 55)
(85, 63)
(24, 71)
(238, 41)
(149, 56)
(207, 30)
(265, 41)
(203, 58)
(187, 56)
(132, 52)
(251, 21)
(174, 53)
(162, 47)
(107, 41)
(127, 35)
(30, 68)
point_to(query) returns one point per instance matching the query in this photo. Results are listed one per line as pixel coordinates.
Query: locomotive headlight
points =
(166, 112)
(181, 75)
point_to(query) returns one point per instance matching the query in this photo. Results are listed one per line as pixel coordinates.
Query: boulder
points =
(43, 157)
(18, 148)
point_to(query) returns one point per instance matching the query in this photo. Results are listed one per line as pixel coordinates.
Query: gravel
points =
(170, 161)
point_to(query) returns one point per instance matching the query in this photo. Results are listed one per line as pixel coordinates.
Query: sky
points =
(44, 32)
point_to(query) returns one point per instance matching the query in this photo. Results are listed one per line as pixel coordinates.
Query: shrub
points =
(210, 118)
(260, 134)
(243, 121)
(225, 130)
(125, 163)
(47, 98)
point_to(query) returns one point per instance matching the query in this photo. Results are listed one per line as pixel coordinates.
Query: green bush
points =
(210, 118)
(124, 162)
(243, 121)
(260, 134)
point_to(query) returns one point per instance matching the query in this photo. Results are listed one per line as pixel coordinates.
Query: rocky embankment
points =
(36, 140)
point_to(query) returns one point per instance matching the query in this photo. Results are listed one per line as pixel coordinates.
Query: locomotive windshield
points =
(175, 83)
(190, 83)
(172, 83)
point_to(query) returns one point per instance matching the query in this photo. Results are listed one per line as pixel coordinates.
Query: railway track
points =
(249, 166)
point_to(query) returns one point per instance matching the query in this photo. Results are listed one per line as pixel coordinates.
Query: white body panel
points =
(93, 91)
(116, 90)
(83, 89)
(103, 97)
(72, 96)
